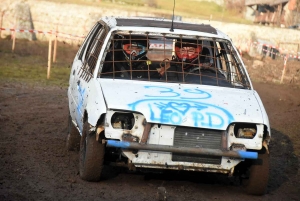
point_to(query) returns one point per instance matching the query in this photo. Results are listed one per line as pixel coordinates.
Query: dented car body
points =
(160, 112)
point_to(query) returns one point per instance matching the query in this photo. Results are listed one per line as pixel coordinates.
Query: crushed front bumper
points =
(184, 150)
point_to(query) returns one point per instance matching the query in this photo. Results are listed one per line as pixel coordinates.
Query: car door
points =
(82, 72)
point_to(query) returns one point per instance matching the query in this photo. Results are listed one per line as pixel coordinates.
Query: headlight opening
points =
(247, 131)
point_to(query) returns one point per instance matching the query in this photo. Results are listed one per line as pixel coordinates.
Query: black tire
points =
(259, 175)
(91, 155)
(73, 138)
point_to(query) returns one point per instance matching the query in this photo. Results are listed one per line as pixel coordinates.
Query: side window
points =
(234, 68)
(221, 59)
(240, 74)
(207, 52)
(92, 51)
(87, 42)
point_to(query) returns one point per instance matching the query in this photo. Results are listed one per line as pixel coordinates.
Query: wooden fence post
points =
(55, 45)
(283, 71)
(14, 37)
(49, 56)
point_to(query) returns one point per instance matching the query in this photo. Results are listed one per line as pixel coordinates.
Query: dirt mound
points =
(265, 69)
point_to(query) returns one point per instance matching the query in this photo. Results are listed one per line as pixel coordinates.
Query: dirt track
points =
(36, 166)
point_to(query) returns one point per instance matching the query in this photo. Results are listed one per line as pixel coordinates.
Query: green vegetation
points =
(185, 8)
(28, 63)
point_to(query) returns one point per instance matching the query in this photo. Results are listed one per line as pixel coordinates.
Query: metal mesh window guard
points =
(92, 53)
(173, 58)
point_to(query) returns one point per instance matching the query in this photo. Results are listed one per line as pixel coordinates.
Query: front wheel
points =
(91, 155)
(259, 174)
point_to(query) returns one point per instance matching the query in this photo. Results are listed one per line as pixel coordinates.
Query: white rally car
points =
(157, 94)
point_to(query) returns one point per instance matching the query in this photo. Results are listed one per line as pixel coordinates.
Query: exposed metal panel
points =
(197, 138)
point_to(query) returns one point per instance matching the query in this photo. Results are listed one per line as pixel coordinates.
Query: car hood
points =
(183, 104)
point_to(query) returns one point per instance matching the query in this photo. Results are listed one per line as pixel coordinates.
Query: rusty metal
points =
(237, 147)
(231, 172)
(265, 144)
(183, 150)
(224, 140)
(100, 128)
(131, 166)
(146, 132)
(129, 138)
(128, 165)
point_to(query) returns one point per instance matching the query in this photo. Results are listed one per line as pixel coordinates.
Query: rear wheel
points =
(73, 138)
(259, 174)
(91, 155)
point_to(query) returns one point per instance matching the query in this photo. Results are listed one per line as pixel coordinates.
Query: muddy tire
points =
(91, 155)
(73, 138)
(259, 175)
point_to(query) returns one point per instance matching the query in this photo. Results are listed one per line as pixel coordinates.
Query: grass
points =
(28, 63)
(186, 8)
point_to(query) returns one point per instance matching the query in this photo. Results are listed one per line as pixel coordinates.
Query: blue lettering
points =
(210, 121)
(175, 118)
(163, 93)
(169, 106)
(197, 117)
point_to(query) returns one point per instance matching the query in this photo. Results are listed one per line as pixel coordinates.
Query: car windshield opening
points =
(172, 58)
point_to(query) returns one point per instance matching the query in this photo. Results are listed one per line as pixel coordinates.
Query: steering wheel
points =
(204, 67)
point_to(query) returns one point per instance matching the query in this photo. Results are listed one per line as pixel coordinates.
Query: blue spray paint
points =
(168, 93)
(80, 101)
(171, 107)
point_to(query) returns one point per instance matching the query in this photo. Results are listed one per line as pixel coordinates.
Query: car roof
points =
(159, 23)
(165, 24)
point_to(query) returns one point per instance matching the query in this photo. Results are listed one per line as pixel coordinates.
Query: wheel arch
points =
(93, 119)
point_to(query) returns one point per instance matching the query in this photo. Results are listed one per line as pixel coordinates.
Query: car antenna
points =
(172, 30)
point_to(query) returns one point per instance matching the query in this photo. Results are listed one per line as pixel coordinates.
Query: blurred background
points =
(51, 31)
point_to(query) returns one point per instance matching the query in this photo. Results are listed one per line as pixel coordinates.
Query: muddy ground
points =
(35, 165)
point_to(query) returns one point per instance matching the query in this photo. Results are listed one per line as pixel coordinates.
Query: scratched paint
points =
(169, 106)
